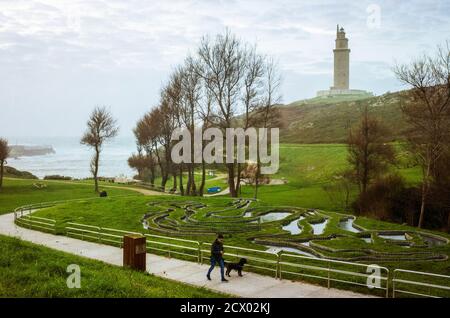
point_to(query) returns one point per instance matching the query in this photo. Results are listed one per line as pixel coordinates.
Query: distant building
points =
(122, 179)
(341, 69)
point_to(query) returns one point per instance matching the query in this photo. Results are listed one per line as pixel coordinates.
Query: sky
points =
(59, 59)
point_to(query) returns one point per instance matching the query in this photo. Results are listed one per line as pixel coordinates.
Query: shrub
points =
(57, 177)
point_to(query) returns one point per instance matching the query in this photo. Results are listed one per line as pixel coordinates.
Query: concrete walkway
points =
(251, 285)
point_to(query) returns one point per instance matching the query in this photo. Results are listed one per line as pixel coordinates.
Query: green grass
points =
(126, 214)
(18, 192)
(308, 168)
(30, 270)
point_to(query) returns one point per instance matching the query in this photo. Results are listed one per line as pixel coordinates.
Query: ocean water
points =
(73, 159)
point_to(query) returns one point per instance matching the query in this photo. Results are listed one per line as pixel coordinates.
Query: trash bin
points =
(134, 252)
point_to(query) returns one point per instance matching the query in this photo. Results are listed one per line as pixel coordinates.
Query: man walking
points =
(217, 257)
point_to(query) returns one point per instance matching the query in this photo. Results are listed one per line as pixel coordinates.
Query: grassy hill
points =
(326, 120)
(30, 270)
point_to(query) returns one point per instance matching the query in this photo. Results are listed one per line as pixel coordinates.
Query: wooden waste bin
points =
(134, 252)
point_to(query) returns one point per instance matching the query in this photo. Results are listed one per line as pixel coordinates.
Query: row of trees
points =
(226, 84)
(426, 107)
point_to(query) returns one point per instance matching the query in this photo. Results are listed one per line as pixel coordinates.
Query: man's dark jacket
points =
(216, 250)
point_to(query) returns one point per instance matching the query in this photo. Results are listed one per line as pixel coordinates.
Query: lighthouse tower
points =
(342, 71)
(341, 61)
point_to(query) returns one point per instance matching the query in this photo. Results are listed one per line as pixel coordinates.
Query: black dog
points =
(236, 266)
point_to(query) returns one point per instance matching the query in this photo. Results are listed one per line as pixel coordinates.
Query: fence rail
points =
(280, 265)
(406, 283)
(331, 271)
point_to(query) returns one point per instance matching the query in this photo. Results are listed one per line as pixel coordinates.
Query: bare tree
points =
(101, 127)
(266, 115)
(191, 94)
(369, 153)
(427, 109)
(4, 153)
(253, 87)
(223, 62)
(167, 122)
(145, 133)
(224, 81)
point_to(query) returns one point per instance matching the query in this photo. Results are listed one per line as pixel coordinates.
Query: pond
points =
(274, 216)
(277, 249)
(348, 225)
(395, 237)
(293, 227)
(319, 228)
(432, 241)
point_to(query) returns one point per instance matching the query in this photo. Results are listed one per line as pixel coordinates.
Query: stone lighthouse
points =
(341, 60)
(342, 70)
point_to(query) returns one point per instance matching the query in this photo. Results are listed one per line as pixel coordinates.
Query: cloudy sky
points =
(59, 58)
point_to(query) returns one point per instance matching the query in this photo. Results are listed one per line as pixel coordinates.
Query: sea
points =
(73, 159)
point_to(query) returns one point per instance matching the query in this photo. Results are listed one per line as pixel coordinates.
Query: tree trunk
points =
(238, 179)
(163, 181)
(152, 174)
(97, 159)
(425, 187)
(189, 180)
(174, 181)
(2, 162)
(230, 167)
(181, 179)
(202, 184)
(161, 166)
(422, 208)
(194, 186)
(258, 167)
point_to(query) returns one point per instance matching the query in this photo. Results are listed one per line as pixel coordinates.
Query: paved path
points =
(251, 285)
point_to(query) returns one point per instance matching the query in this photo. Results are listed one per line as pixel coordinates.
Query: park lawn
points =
(31, 270)
(18, 192)
(308, 168)
(305, 164)
(126, 214)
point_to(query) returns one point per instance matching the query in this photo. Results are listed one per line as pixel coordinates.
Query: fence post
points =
(329, 265)
(199, 252)
(393, 286)
(278, 271)
(387, 283)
